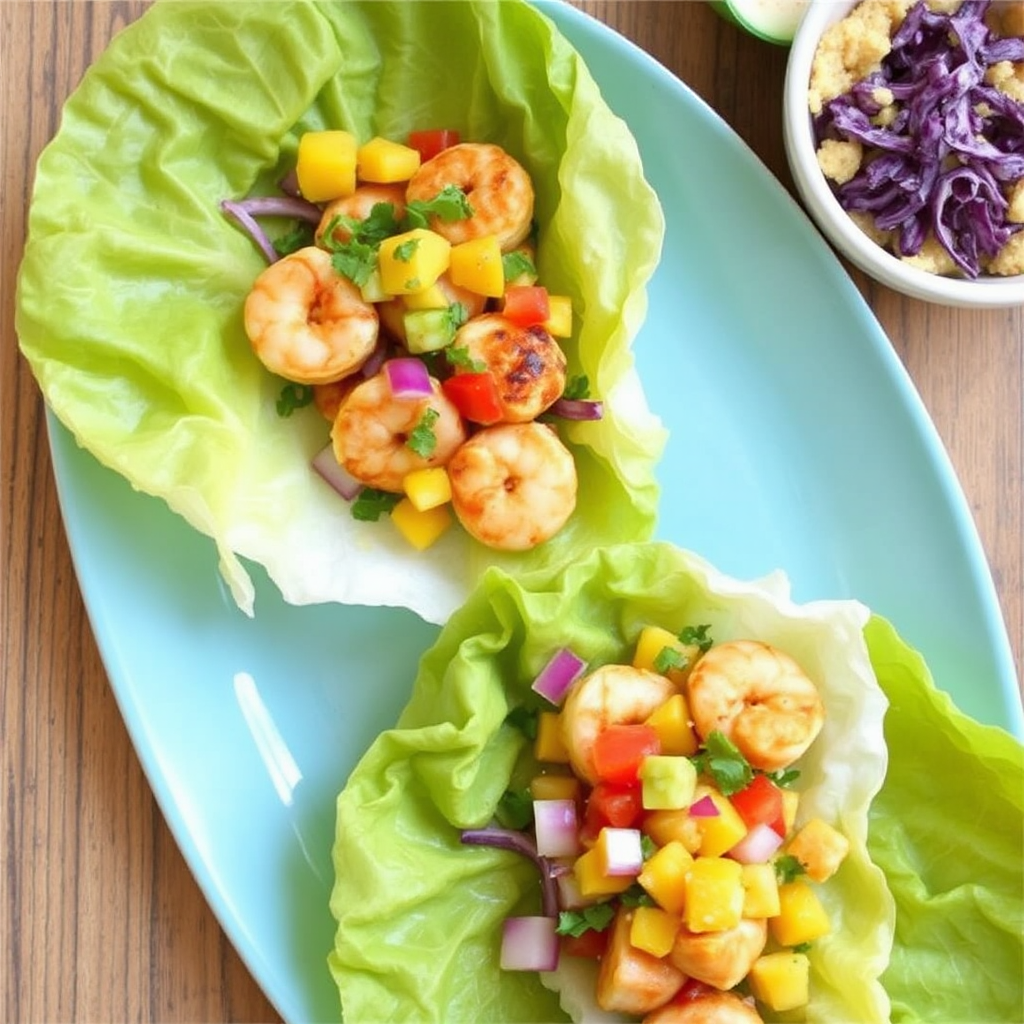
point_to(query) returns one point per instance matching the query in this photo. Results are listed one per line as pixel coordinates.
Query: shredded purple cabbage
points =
(940, 165)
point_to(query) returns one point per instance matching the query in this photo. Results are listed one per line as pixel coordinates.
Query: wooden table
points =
(102, 920)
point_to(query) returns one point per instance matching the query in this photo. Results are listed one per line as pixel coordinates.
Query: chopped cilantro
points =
(517, 263)
(577, 387)
(355, 260)
(669, 658)
(636, 896)
(293, 396)
(459, 357)
(458, 314)
(404, 252)
(525, 720)
(413, 283)
(298, 238)
(787, 867)
(722, 760)
(648, 847)
(801, 947)
(371, 504)
(422, 440)
(451, 203)
(784, 777)
(357, 257)
(515, 809)
(596, 917)
(697, 636)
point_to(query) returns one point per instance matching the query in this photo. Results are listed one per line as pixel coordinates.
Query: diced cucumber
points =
(428, 330)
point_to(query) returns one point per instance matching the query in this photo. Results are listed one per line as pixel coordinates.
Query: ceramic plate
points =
(797, 442)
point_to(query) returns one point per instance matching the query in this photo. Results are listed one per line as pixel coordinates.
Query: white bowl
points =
(832, 219)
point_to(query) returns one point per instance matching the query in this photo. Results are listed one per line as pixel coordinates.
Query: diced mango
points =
(383, 161)
(555, 787)
(549, 745)
(559, 321)
(781, 980)
(412, 261)
(674, 727)
(667, 782)
(820, 849)
(420, 529)
(722, 831)
(760, 890)
(714, 895)
(790, 803)
(476, 265)
(433, 297)
(325, 165)
(428, 487)
(593, 881)
(665, 827)
(664, 876)
(652, 641)
(653, 930)
(801, 917)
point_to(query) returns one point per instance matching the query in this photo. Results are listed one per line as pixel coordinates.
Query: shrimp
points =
(526, 363)
(710, 1007)
(721, 959)
(497, 186)
(343, 213)
(610, 695)
(372, 428)
(760, 698)
(513, 485)
(631, 980)
(328, 397)
(307, 323)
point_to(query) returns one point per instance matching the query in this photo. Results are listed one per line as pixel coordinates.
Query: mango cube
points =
(556, 787)
(476, 265)
(664, 876)
(820, 849)
(665, 827)
(653, 930)
(428, 487)
(549, 745)
(722, 831)
(325, 165)
(593, 881)
(667, 782)
(801, 917)
(420, 529)
(714, 895)
(659, 650)
(781, 980)
(559, 321)
(412, 261)
(760, 890)
(674, 727)
(790, 803)
(433, 297)
(383, 161)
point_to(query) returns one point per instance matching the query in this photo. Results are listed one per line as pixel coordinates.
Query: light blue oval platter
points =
(797, 442)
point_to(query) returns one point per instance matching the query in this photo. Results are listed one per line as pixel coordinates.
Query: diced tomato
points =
(475, 395)
(526, 304)
(617, 806)
(431, 141)
(619, 749)
(759, 803)
(590, 944)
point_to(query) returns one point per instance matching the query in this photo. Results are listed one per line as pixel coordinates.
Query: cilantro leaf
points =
(787, 867)
(423, 440)
(524, 720)
(298, 238)
(636, 896)
(405, 251)
(371, 504)
(784, 777)
(801, 947)
(596, 917)
(669, 658)
(517, 264)
(450, 204)
(515, 808)
(459, 357)
(696, 636)
(722, 760)
(648, 847)
(293, 396)
(355, 260)
(577, 387)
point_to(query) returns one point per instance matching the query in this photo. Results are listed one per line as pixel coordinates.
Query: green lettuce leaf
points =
(419, 915)
(131, 287)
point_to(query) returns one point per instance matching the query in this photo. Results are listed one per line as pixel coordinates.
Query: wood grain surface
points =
(102, 920)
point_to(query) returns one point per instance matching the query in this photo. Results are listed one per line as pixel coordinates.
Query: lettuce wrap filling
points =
(130, 292)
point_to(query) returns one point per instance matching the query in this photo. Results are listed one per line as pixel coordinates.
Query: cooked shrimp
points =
(723, 958)
(760, 698)
(498, 187)
(392, 311)
(513, 485)
(610, 695)
(709, 1007)
(357, 207)
(526, 362)
(328, 397)
(307, 323)
(372, 428)
(631, 980)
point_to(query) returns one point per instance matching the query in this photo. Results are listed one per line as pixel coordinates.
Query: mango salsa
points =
(326, 165)
(801, 917)
(781, 980)
(384, 162)
(476, 265)
(420, 529)
(412, 261)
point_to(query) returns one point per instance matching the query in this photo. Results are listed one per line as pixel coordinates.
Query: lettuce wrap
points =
(419, 915)
(130, 292)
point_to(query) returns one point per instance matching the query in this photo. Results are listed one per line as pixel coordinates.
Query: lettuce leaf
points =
(131, 287)
(419, 915)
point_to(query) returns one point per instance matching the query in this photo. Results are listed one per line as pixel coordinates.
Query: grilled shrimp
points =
(513, 485)
(328, 397)
(307, 323)
(498, 187)
(526, 362)
(631, 980)
(709, 1007)
(723, 958)
(372, 428)
(760, 698)
(610, 695)
(357, 207)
